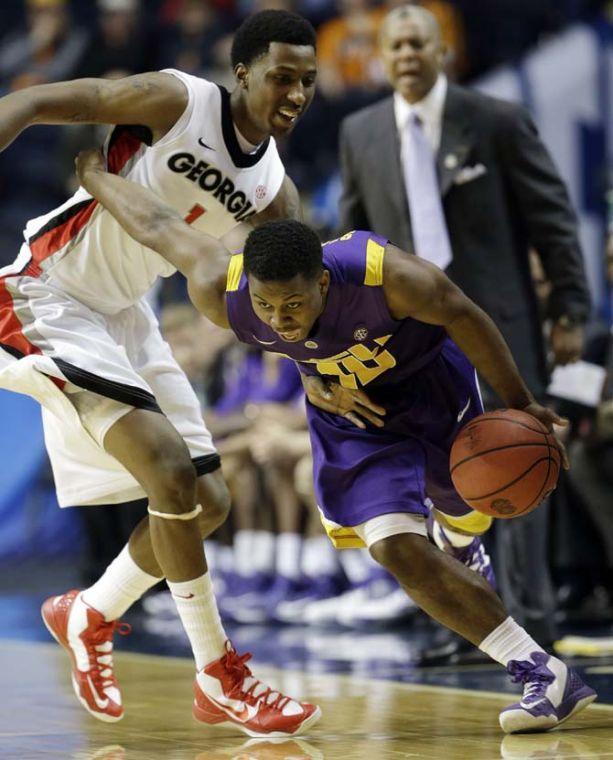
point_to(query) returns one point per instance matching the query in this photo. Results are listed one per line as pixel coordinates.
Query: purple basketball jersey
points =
(413, 369)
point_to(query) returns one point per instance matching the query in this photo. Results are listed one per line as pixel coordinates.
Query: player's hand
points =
(87, 161)
(566, 342)
(550, 419)
(354, 405)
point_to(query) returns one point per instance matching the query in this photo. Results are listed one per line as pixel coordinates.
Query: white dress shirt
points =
(429, 110)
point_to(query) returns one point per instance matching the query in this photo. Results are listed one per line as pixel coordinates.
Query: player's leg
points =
(464, 601)
(173, 509)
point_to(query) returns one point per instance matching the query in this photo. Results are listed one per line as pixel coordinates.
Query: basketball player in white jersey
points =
(121, 420)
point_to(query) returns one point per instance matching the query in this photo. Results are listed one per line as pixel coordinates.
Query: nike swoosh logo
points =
(529, 705)
(463, 412)
(204, 145)
(101, 703)
(247, 713)
(265, 342)
(184, 596)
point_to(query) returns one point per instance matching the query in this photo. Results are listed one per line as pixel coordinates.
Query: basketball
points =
(504, 463)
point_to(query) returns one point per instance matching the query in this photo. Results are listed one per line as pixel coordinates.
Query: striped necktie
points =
(430, 235)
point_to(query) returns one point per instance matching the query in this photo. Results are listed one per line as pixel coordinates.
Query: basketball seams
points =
(486, 418)
(497, 448)
(509, 484)
(514, 432)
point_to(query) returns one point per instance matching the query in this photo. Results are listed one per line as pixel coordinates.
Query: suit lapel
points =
(457, 138)
(387, 143)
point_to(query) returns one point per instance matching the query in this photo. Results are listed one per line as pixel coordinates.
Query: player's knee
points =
(400, 553)
(217, 509)
(173, 486)
(213, 495)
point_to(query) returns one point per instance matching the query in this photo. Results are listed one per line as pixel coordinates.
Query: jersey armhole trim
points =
(235, 270)
(373, 274)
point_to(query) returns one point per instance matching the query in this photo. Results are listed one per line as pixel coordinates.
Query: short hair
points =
(254, 35)
(281, 250)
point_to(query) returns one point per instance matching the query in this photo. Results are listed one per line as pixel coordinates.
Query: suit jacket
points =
(501, 194)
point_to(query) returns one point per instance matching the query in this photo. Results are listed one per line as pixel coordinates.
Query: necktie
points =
(430, 234)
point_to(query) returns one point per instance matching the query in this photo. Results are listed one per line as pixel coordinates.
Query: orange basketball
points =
(504, 463)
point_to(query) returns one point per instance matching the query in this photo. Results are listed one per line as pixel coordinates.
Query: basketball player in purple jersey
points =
(370, 315)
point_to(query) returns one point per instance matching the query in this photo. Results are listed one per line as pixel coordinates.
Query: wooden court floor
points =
(362, 719)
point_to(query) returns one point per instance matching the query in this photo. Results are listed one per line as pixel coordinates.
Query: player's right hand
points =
(354, 405)
(89, 160)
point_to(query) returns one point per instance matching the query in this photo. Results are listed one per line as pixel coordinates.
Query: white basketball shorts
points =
(87, 370)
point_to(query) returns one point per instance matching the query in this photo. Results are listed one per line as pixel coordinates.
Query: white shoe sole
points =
(538, 725)
(231, 725)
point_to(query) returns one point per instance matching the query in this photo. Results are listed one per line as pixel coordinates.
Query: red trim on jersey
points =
(121, 150)
(57, 237)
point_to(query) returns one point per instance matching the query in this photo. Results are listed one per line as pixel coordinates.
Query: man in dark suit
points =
(495, 193)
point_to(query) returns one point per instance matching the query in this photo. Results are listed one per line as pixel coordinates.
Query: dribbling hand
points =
(549, 418)
(354, 405)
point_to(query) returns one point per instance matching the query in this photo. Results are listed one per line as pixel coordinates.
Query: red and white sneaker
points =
(226, 694)
(88, 639)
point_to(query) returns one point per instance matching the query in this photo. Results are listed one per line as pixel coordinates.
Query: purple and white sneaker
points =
(552, 694)
(473, 555)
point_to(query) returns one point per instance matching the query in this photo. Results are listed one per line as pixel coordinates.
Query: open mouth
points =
(290, 335)
(288, 115)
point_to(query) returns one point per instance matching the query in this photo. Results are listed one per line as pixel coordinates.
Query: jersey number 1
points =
(194, 213)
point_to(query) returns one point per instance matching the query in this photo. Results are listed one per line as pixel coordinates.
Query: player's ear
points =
(241, 74)
(324, 282)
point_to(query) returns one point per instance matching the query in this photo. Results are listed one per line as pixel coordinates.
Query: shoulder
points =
(190, 80)
(356, 122)
(497, 112)
(356, 257)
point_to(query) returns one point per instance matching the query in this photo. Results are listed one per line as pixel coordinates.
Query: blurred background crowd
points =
(272, 561)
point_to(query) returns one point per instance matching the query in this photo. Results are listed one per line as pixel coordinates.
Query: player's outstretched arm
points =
(155, 100)
(200, 257)
(415, 288)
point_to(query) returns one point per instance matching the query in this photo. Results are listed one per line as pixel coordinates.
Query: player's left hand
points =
(550, 419)
(566, 342)
(89, 160)
(354, 405)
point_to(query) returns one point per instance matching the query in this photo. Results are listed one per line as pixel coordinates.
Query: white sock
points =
(197, 609)
(122, 583)
(288, 555)
(263, 552)
(318, 557)
(509, 642)
(455, 539)
(243, 551)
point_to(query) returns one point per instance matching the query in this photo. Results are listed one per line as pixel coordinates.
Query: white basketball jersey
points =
(197, 168)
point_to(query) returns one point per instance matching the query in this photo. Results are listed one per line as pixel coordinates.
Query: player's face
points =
(290, 307)
(413, 56)
(280, 87)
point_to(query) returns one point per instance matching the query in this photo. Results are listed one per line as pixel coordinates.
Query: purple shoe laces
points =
(535, 675)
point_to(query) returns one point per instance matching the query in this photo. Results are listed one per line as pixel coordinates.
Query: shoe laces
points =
(99, 645)
(245, 686)
(535, 676)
